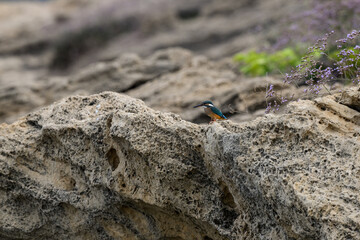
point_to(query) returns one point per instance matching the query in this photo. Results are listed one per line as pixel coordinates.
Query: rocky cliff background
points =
(99, 140)
(49, 50)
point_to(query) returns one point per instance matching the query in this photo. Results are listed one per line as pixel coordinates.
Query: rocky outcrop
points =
(108, 167)
(54, 49)
(75, 33)
(169, 80)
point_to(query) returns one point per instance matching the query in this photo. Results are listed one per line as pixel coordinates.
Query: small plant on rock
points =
(261, 63)
(318, 74)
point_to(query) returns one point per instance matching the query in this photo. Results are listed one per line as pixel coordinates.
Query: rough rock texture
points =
(76, 33)
(108, 167)
(46, 48)
(169, 80)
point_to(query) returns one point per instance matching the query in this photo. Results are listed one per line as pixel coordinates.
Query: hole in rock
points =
(188, 13)
(68, 183)
(72, 183)
(34, 124)
(217, 221)
(207, 238)
(113, 158)
(108, 123)
(227, 198)
(354, 106)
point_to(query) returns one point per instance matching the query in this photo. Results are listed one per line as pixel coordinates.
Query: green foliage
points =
(337, 54)
(260, 63)
(347, 60)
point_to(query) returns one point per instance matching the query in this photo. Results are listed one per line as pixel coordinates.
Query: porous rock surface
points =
(46, 48)
(172, 80)
(108, 167)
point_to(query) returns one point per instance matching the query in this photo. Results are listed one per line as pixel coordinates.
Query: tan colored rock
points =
(108, 167)
(106, 183)
(239, 97)
(171, 80)
(52, 49)
(20, 21)
(127, 72)
(77, 34)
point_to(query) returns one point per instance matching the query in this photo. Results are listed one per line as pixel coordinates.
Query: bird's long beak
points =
(199, 105)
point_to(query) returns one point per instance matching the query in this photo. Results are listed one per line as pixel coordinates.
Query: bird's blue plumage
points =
(211, 111)
(207, 102)
(217, 112)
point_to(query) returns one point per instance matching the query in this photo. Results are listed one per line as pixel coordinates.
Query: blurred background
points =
(172, 54)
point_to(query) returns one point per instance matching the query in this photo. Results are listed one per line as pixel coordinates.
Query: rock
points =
(108, 167)
(54, 49)
(76, 33)
(129, 71)
(171, 80)
(21, 91)
(21, 25)
(101, 194)
(32, 89)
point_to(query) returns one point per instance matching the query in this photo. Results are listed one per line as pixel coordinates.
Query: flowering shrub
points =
(317, 74)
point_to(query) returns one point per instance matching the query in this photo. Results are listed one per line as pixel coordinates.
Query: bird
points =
(212, 111)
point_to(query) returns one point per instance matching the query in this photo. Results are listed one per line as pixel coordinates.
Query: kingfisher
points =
(211, 111)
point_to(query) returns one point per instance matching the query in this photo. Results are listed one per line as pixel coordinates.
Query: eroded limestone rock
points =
(108, 167)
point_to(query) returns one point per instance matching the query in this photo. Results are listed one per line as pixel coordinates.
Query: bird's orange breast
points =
(212, 115)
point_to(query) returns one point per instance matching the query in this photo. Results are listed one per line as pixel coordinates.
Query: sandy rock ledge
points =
(108, 167)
